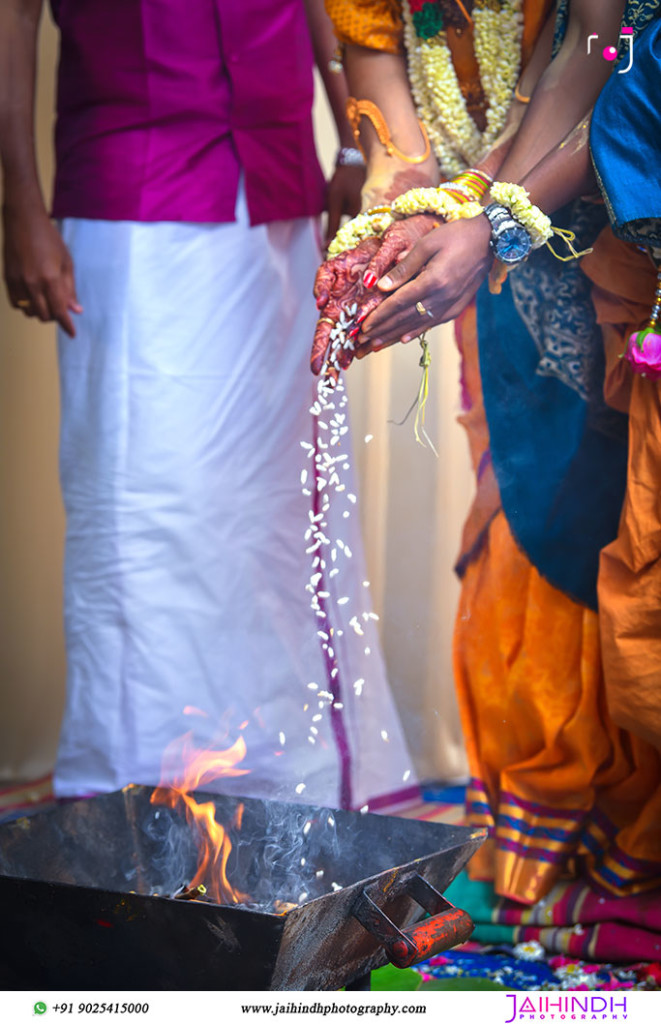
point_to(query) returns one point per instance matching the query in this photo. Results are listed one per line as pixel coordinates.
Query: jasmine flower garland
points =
(371, 224)
(497, 35)
(515, 198)
(434, 200)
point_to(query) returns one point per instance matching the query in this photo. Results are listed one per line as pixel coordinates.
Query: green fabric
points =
(428, 22)
(479, 900)
(391, 979)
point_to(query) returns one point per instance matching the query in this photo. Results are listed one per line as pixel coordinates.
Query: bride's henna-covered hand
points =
(339, 283)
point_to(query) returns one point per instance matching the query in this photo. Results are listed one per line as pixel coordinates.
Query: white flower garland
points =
(456, 139)
(365, 225)
(374, 223)
(433, 200)
(515, 198)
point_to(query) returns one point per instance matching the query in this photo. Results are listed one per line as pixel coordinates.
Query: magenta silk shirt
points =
(163, 103)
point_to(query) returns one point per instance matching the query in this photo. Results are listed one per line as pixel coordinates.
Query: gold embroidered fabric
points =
(376, 24)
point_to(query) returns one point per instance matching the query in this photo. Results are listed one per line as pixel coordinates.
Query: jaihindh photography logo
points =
(585, 1006)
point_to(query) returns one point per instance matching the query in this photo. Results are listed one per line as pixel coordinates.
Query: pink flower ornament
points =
(644, 352)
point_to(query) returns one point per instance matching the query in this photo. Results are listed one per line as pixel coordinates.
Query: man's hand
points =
(442, 272)
(343, 197)
(396, 243)
(38, 269)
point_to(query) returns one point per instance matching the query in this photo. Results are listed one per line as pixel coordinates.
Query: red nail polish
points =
(353, 332)
(369, 279)
(359, 319)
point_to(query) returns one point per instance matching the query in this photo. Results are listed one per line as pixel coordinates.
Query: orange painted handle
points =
(430, 937)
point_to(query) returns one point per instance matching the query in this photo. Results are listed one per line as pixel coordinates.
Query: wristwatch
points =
(510, 241)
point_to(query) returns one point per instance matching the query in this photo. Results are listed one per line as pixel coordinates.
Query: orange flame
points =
(215, 844)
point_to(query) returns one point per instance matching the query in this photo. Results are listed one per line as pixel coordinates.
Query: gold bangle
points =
(518, 96)
(365, 108)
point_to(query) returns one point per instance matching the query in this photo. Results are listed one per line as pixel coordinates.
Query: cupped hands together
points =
(420, 273)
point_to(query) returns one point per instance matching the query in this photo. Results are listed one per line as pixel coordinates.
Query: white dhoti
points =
(185, 398)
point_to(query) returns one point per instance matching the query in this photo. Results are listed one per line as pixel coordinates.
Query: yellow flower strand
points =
(371, 224)
(433, 200)
(515, 198)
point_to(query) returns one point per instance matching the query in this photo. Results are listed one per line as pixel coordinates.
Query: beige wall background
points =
(412, 506)
(32, 664)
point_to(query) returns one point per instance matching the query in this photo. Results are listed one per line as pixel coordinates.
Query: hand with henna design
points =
(339, 283)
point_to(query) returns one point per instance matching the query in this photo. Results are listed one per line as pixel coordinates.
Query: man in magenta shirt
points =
(187, 193)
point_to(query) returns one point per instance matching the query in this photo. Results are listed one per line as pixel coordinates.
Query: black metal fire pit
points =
(87, 896)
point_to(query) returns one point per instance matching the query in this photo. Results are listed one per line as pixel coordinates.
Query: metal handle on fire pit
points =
(447, 926)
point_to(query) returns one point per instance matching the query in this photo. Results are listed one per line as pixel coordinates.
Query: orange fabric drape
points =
(630, 569)
(561, 787)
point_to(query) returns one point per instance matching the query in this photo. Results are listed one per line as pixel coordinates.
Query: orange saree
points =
(562, 789)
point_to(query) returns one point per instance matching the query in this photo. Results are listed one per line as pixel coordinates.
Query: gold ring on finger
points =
(326, 320)
(23, 303)
(422, 310)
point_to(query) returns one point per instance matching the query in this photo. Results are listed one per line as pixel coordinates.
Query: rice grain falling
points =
(326, 484)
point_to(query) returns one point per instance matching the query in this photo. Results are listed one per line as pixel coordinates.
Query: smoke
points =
(282, 854)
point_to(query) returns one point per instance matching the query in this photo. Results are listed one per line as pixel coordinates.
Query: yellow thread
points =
(568, 238)
(423, 395)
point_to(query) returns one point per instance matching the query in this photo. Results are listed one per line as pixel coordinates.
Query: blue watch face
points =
(512, 245)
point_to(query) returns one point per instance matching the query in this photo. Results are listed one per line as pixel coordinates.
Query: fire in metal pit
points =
(78, 885)
(202, 767)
